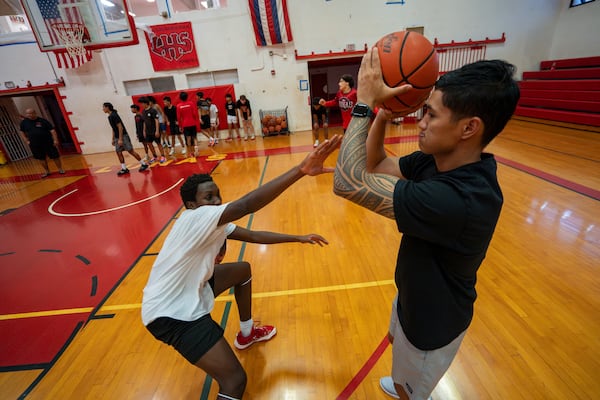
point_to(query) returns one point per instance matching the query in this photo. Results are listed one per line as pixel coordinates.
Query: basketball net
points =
(71, 34)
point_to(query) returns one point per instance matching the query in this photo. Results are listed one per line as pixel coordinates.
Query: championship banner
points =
(172, 46)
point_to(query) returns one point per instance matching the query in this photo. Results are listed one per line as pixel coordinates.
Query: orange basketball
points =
(408, 58)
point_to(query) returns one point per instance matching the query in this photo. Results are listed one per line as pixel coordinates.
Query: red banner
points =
(172, 46)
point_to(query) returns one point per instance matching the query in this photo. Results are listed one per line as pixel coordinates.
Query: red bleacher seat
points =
(566, 90)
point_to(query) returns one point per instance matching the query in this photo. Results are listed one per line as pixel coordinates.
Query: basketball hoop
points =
(72, 35)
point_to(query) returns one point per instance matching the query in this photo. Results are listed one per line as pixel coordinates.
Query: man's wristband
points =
(362, 110)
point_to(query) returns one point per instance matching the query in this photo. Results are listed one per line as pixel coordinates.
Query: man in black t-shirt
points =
(41, 137)
(445, 200)
(319, 118)
(121, 140)
(152, 128)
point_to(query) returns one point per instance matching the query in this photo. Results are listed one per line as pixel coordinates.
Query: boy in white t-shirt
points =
(184, 281)
(214, 121)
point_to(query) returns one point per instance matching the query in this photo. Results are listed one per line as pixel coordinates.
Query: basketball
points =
(408, 58)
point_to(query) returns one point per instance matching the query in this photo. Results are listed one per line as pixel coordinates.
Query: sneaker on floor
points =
(123, 172)
(61, 171)
(245, 137)
(152, 160)
(211, 142)
(258, 334)
(387, 385)
(216, 141)
(45, 174)
(163, 159)
(143, 168)
(252, 137)
(316, 143)
(172, 151)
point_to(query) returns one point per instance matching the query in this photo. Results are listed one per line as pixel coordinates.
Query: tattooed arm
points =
(363, 173)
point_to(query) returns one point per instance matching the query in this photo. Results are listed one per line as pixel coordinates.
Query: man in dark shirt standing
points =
(41, 137)
(445, 200)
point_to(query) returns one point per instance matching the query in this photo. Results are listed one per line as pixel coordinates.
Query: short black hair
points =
(200, 94)
(183, 96)
(109, 106)
(167, 98)
(348, 78)
(190, 187)
(143, 100)
(135, 107)
(484, 89)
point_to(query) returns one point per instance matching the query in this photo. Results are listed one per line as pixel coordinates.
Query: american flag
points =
(270, 21)
(51, 15)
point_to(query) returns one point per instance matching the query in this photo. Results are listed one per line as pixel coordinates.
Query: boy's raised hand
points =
(313, 163)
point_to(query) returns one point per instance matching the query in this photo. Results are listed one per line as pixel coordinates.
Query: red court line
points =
(364, 371)
(576, 187)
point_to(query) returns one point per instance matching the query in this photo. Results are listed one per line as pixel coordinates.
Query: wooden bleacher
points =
(566, 90)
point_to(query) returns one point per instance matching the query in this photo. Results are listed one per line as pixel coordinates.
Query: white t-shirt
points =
(178, 284)
(213, 111)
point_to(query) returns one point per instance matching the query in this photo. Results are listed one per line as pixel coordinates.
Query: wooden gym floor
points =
(76, 250)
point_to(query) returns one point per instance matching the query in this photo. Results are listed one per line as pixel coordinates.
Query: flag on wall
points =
(51, 15)
(270, 21)
(172, 46)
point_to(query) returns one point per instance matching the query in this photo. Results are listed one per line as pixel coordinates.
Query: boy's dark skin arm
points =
(266, 237)
(255, 200)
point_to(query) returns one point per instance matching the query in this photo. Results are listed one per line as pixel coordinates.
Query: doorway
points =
(46, 105)
(324, 76)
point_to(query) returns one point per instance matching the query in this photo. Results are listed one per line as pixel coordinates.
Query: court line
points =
(51, 206)
(364, 371)
(222, 298)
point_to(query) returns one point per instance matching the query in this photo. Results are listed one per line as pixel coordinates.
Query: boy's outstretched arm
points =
(258, 198)
(266, 237)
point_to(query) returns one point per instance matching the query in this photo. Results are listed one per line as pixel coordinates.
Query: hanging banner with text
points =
(172, 46)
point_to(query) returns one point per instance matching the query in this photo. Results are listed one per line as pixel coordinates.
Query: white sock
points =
(123, 166)
(246, 327)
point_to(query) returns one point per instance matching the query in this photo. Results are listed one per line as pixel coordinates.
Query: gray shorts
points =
(418, 371)
(126, 144)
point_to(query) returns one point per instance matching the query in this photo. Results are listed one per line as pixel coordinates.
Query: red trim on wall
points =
(331, 53)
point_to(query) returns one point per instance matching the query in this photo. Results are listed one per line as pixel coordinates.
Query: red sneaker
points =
(258, 334)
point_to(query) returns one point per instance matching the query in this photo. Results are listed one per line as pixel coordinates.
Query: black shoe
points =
(143, 168)
(123, 172)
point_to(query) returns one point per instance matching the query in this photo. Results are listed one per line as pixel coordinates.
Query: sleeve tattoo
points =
(351, 180)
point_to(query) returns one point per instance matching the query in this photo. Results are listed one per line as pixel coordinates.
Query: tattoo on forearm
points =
(351, 181)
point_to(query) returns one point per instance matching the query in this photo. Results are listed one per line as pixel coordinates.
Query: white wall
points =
(535, 30)
(577, 33)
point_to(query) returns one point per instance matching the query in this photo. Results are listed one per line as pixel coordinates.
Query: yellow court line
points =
(48, 313)
(222, 298)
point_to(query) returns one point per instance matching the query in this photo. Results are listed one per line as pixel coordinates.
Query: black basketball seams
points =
(407, 79)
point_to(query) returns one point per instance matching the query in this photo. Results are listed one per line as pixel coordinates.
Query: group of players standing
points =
(152, 121)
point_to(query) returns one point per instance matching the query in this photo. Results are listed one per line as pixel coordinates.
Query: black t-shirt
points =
(319, 114)
(230, 107)
(38, 130)
(245, 108)
(447, 220)
(139, 124)
(171, 113)
(114, 120)
(150, 116)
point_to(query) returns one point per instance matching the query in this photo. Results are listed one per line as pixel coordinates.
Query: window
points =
(215, 78)
(575, 3)
(152, 85)
(12, 18)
